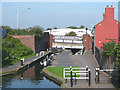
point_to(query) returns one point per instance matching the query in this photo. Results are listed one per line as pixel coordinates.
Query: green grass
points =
(58, 71)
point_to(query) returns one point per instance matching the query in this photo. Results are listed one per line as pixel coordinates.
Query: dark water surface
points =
(30, 78)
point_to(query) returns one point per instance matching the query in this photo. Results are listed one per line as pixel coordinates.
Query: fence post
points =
(89, 73)
(86, 73)
(71, 79)
(97, 75)
(65, 80)
(75, 78)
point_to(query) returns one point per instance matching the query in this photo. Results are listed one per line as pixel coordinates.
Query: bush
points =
(13, 50)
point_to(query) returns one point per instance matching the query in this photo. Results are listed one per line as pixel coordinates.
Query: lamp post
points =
(17, 15)
(28, 17)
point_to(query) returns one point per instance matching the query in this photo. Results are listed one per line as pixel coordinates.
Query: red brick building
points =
(107, 29)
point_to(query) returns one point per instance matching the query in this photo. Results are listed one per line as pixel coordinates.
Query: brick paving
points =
(87, 59)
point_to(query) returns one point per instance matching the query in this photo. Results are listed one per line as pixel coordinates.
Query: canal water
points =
(30, 78)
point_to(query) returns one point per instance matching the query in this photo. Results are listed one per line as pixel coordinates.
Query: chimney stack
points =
(109, 12)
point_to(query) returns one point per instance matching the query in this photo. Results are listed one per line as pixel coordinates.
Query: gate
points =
(77, 73)
(100, 77)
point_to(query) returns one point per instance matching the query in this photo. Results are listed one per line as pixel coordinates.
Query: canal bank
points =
(16, 68)
(30, 78)
(51, 76)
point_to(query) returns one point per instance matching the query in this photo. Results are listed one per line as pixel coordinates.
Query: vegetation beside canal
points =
(13, 50)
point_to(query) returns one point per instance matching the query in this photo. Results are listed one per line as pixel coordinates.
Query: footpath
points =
(87, 59)
(14, 68)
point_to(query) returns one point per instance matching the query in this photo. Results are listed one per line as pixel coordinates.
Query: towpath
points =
(87, 59)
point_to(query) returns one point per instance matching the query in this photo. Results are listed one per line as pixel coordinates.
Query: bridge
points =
(68, 42)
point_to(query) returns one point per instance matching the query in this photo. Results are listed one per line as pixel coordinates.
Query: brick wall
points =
(28, 40)
(35, 43)
(87, 42)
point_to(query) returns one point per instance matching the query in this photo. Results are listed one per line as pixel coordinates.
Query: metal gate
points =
(77, 73)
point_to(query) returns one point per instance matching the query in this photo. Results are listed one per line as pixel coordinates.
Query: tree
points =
(117, 51)
(71, 34)
(55, 28)
(82, 27)
(108, 50)
(49, 29)
(72, 27)
(37, 30)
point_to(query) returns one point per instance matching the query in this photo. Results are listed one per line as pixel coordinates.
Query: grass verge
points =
(58, 71)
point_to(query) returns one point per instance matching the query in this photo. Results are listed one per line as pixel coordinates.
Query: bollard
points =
(97, 75)
(21, 76)
(75, 78)
(65, 80)
(89, 82)
(71, 78)
(21, 62)
(86, 73)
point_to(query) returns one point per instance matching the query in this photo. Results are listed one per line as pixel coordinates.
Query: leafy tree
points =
(37, 30)
(49, 29)
(82, 27)
(108, 50)
(71, 34)
(55, 28)
(72, 27)
(117, 50)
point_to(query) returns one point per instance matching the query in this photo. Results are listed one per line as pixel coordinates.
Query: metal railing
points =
(77, 73)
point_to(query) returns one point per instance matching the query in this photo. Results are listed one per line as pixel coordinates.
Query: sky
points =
(55, 14)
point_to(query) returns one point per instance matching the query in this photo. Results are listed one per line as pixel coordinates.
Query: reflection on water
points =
(30, 78)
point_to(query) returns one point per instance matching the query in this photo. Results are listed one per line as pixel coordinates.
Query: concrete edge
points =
(54, 78)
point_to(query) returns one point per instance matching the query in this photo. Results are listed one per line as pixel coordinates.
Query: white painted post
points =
(45, 63)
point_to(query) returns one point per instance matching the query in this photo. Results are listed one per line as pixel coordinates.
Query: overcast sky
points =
(55, 14)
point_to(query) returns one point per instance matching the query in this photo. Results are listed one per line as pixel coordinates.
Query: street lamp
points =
(28, 17)
(17, 16)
